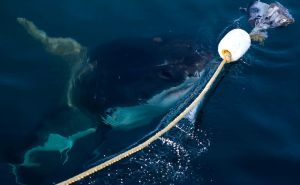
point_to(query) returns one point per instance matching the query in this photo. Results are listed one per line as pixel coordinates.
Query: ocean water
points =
(248, 131)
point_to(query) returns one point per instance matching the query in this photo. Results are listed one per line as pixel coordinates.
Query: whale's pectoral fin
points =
(67, 48)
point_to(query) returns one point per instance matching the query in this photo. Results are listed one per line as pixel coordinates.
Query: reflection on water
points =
(247, 133)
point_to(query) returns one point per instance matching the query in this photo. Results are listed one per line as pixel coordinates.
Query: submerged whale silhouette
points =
(126, 83)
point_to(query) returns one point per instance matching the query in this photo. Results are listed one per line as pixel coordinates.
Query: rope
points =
(156, 136)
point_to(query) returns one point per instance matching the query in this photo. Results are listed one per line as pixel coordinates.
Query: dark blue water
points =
(251, 119)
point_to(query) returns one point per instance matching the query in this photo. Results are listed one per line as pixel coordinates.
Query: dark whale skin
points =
(130, 71)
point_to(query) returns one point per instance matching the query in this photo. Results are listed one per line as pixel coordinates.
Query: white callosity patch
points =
(134, 116)
(264, 16)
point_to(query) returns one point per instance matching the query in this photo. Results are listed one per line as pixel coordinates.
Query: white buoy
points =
(236, 42)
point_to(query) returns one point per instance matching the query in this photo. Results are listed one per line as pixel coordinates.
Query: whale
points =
(121, 85)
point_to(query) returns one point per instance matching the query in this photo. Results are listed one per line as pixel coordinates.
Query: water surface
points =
(251, 119)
